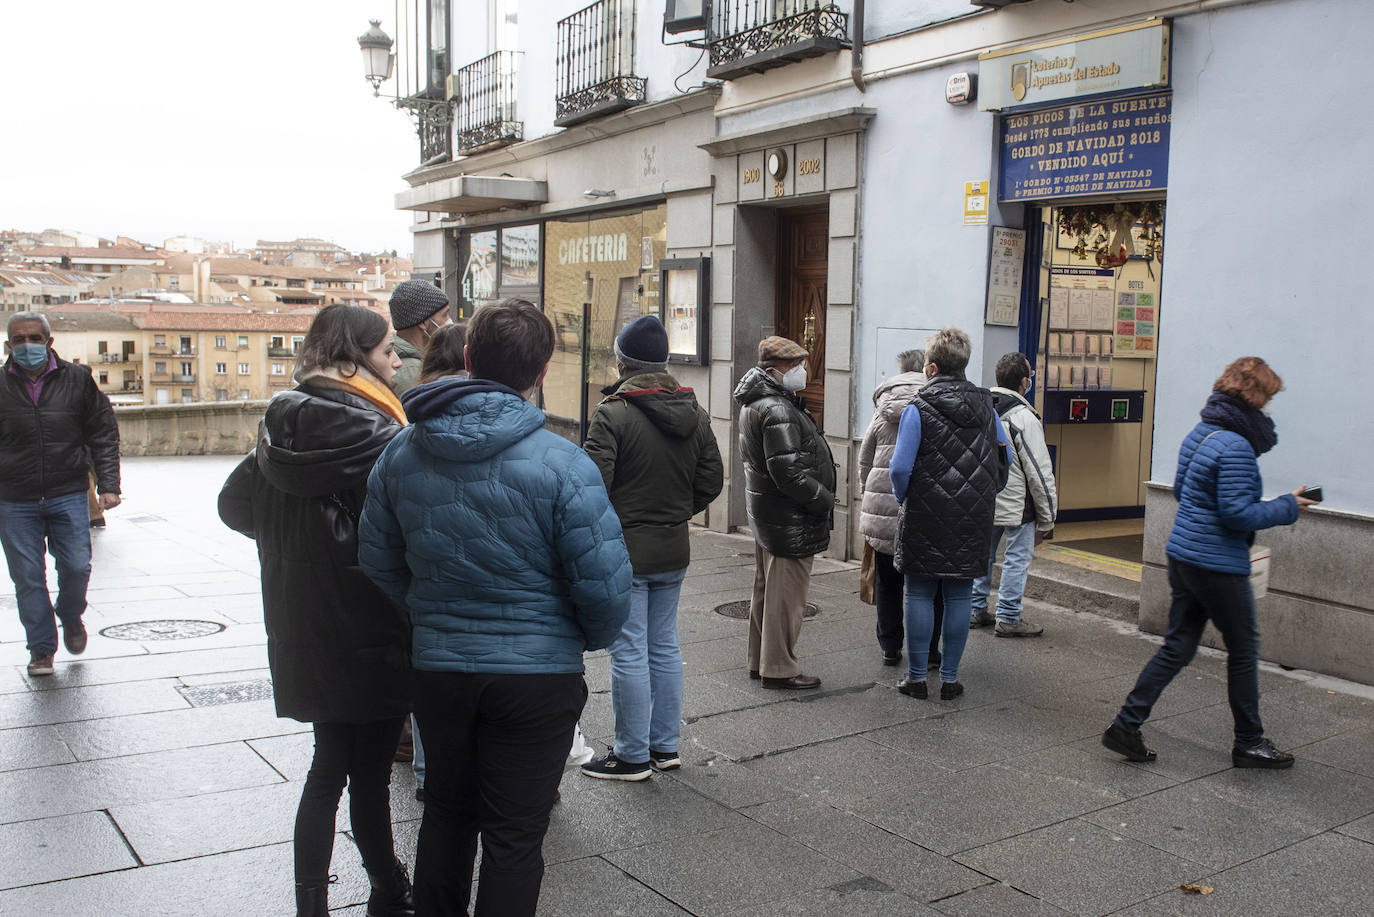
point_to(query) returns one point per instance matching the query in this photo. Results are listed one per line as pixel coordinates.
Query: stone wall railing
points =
(203, 428)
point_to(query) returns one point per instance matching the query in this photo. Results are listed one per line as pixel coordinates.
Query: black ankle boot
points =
(391, 893)
(312, 899)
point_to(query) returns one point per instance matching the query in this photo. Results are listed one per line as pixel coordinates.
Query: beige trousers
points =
(775, 612)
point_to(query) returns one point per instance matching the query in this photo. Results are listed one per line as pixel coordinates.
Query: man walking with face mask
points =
(789, 477)
(55, 423)
(418, 310)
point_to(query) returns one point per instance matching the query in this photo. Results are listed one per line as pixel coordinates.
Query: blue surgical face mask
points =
(30, 356)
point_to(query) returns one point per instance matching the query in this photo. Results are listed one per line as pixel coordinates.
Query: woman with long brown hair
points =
(339, 649)
(1220, 507)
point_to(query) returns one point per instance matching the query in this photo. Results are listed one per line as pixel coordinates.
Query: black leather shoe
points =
(950, 690)
(892, 658)
(312, 900)
(795, 683)
(1263, 755)
(916, 689)
(754, 674)
(1128, 743)
(391, 893)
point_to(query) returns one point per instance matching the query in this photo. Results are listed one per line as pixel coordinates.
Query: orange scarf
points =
(367, 386)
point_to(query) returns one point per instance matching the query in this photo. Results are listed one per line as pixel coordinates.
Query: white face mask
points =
(794, 380)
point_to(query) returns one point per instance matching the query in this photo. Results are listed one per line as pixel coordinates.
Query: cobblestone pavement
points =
(151, 777)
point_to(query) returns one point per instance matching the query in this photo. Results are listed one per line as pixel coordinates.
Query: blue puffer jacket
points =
(496, 534)
(1218, 489)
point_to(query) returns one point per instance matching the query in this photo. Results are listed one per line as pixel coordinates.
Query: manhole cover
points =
(234, 693)
(741, 610)
(162, 630)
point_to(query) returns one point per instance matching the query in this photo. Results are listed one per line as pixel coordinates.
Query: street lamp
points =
(377, 57)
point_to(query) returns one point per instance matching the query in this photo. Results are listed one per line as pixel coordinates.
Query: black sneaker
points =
(892, 658)
(664, 760)
(916, 689)
(1263, 755)
(950, 690)
(1128, 743)
(609, 767)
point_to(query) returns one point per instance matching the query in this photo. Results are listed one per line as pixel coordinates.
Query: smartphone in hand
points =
(1312, 492)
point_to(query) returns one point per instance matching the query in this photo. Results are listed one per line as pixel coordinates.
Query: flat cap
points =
(774, 349)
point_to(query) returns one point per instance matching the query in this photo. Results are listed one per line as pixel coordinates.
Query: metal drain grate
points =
(741, 610)
(235, 693)
(162, 630)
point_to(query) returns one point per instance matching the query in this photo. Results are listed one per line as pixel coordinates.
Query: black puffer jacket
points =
(47, 450)
(945, 527)
(660, 463)
(338, 647)
(789, 473)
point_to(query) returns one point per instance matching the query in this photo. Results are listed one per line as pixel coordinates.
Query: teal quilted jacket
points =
(495, 534)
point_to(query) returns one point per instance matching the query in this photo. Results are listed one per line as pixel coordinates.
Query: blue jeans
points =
(418, 762)
(646, 669)
(1015, 569)
(920, 624)
(63, 525)
(1226, 599)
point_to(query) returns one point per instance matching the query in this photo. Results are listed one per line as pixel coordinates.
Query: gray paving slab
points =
(846, 771)
(1091, 766)
(1361, 828)
(730, 869)
(996, 899)
(597, 816)
(728, 783)
(255, 881)
(187, 728)
(861, 898)
(90, 785)
(717, 655)
(50, 849)
(980, 805)
(32, 746)
(288, 754)
(1287, 725)
(1082, 868)
(1313, 795)
(1329, 875)
(592, 887)
(11, 681)
(994, 732)
(1180, 758)
(145, 667)
(66, 705)
(707, 695)
(896, 862)
(165, 830)
(693, 626)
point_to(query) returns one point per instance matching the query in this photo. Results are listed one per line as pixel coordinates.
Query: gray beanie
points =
(413, 301)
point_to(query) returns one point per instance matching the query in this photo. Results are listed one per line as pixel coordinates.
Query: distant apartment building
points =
(108, 342)
(22, 289)
(103, 262)
(321, 251)
(220, 357)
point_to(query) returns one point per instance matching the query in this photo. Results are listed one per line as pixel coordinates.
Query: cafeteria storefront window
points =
(496, 264)
(610, 265)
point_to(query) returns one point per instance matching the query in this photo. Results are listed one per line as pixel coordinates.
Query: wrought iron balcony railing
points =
(595, 61)
(750, 36)
(434, 124)
(485, 94)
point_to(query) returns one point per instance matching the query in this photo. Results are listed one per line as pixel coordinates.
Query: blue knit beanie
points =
(643, 342)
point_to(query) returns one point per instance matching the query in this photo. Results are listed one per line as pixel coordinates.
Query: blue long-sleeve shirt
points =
(909, 442)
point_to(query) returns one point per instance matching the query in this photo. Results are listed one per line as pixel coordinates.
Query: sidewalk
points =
(151, 777)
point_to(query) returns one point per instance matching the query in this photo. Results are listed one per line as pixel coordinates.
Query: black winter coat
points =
(660, 463)
(945, 526)
(789, 473)
(339, 649)
(47, 450)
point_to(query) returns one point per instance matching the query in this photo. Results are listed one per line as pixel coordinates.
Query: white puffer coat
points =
(878, 512)
(1030, 493)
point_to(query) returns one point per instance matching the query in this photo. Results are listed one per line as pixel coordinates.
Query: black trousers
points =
(887, 596)
(1225, 599)
(359, 755)
(495, 748)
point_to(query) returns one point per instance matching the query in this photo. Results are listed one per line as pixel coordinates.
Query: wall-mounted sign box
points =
(1112, 60)
(686, 308)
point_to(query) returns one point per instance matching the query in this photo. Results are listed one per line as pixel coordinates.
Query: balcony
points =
(751, 36)
(172, 350)
(485, 93)
(118, 358)
(595, 63)
(281, 352)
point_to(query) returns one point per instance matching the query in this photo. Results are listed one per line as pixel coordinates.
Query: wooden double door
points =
(803, 261)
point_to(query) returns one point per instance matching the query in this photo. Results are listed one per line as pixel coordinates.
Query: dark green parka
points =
(660, 462)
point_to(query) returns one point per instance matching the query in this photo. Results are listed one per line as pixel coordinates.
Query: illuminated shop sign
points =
(1113, 146)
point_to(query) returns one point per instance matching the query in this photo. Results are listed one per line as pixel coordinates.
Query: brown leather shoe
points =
(39, 663)
(795, 683)
(74, 638)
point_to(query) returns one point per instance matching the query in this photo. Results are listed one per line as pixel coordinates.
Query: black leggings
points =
(359, 755)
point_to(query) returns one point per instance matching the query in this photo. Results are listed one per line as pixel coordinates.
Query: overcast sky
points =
(229, 121)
